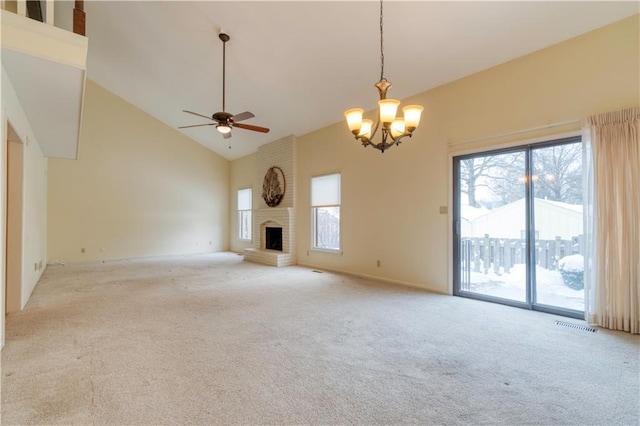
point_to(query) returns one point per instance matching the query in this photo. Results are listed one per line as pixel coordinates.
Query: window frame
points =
(240, 214)
(314, 213)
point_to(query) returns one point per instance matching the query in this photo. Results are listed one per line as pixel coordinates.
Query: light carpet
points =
(210, 339)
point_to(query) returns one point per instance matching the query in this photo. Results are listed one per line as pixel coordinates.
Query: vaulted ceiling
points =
(297, 65)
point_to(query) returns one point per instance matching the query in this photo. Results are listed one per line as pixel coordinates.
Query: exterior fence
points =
(499, 255)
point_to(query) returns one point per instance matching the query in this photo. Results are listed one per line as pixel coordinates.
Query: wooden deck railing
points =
(500, 254)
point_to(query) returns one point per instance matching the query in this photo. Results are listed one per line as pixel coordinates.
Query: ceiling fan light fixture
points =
(223, 128)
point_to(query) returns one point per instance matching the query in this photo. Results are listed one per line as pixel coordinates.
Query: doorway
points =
(518, 226)
(14, 224)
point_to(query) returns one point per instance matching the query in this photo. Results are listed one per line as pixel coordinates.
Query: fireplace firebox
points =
(273, 238)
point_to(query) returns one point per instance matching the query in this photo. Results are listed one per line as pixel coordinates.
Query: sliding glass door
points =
(492, 221)
(518, 226)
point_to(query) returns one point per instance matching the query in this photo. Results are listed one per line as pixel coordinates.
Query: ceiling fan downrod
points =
(225, 38)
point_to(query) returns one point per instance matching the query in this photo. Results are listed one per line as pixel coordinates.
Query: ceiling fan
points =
(224, 121)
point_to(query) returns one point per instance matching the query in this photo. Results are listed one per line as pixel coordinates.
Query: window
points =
(244, 214)
(325, 212)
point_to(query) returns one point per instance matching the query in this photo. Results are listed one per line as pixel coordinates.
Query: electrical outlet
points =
(82, 250)
(378, 263)
(444, 210)
(35, 266)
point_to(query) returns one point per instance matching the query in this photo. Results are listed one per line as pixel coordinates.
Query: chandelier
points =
(393, 128)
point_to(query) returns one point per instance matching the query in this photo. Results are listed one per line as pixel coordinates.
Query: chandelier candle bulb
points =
(365, 130)
(388, 109)
(397, 127)
(412, 115)
(354, 119)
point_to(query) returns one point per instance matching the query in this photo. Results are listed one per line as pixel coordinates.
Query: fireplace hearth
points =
(273, 238)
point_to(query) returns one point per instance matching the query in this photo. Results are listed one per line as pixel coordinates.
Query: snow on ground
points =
(512, 285)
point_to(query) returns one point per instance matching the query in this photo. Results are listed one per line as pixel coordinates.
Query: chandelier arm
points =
(382, 146)
(383, 143)
(374, 129)
(397, 140)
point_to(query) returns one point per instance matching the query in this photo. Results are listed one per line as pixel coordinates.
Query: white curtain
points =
(612, 220)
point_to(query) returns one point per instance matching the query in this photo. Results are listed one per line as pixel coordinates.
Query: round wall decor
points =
(273, 186)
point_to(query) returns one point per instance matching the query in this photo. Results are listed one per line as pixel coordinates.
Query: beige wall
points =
(243, 172)
(15, 210)
(139, 188)
(34, 195)
(34, 218)
(390, 201)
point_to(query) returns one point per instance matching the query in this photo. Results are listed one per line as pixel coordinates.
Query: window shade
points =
(325, 190)
(244, 199)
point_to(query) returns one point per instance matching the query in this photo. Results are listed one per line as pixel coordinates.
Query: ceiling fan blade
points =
(251, 127)
(195, 113)
(243, 116)
(226, 135)
(197, 125)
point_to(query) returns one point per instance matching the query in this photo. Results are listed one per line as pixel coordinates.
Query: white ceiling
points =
(297, 65)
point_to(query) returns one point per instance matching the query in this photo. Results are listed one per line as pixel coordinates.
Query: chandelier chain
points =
(381, 45)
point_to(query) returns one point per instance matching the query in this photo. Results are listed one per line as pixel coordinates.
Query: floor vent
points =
(576, 326)
(316, 271)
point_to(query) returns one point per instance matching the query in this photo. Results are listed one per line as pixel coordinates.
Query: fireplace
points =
(274, 247)
(273, 238)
